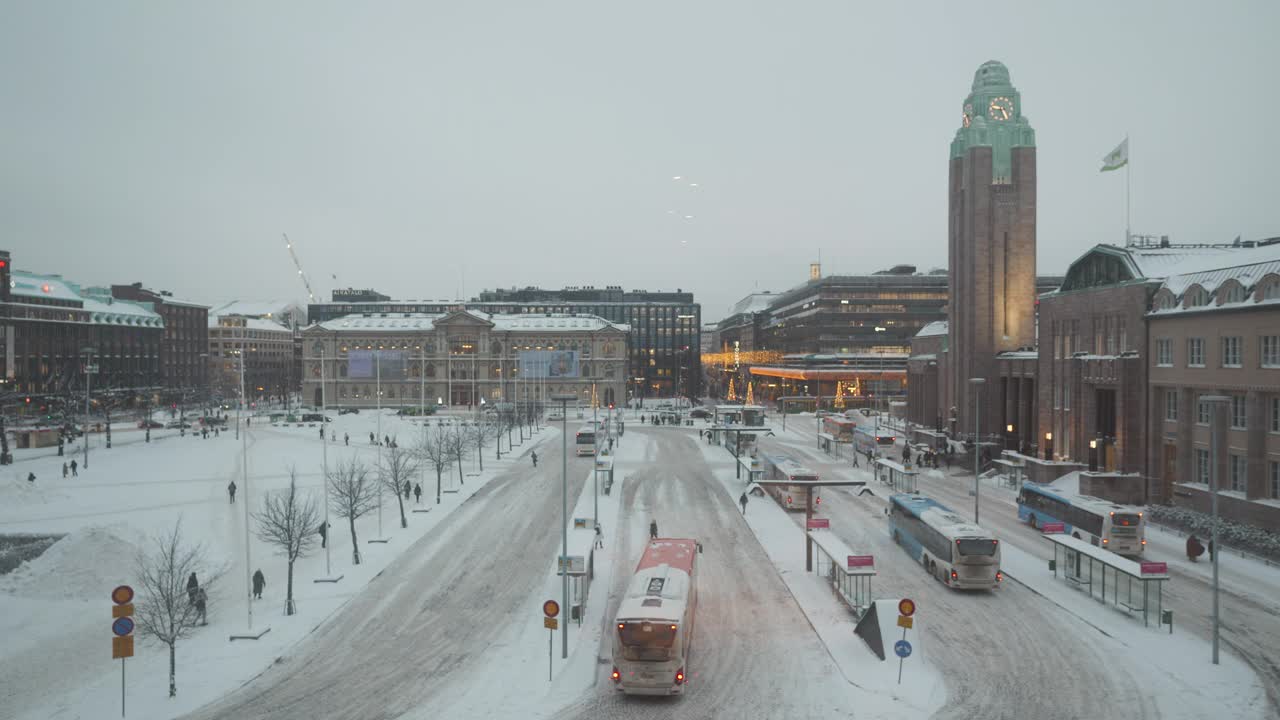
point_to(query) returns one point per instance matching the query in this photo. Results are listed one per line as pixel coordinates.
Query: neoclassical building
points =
(461, 357)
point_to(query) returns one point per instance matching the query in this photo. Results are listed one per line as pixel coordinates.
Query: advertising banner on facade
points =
(549, 364)
(390, 365)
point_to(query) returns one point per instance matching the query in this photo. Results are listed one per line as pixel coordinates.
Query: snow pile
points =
(85, 564)
(15, 491)
(1069, 483)
(1230, 534)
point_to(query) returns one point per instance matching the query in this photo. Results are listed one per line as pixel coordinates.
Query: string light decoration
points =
(751, 396)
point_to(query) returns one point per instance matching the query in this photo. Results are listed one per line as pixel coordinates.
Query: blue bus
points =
(1118, 528)
(958, 553)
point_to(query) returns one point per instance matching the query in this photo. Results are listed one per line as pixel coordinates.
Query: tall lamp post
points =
(1217, 405)
(89, 370)
(976, 383)
(564, 400)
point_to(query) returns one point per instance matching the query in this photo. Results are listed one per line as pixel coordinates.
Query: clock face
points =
(1001, 108)
(968, 114)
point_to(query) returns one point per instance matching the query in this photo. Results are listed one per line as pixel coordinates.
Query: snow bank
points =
(79, 566)
(15, 491)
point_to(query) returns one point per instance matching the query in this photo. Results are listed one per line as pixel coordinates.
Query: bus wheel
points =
(1031, 520)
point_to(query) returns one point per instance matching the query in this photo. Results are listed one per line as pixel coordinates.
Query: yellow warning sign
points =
(121, 647)
(550, 623)
(905, 621)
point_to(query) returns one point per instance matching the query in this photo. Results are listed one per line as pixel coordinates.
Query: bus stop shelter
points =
(1011, 469)
(580, 565)
(848, 573)
(896, 475)
(1134, 586)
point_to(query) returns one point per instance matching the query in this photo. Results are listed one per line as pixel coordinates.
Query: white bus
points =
(654, 627)
(1118, 528)
(775, 466)
(586, 440)
(958, 553)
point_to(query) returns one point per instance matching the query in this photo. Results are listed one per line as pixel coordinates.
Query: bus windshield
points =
(586, 438)
(976, 546)
(646, 640)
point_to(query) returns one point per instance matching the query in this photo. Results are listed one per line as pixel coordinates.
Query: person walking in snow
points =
(324, 534)
(417, 492)
(193, 586)
(202, 601)
(346, 439)
(599, 537)
(534, 455)
(31, 477)
(372, 439)
(322, 433)
(65, 470)
(73, 469)
(407, 489)
(653, 529)
(743, 502)
(231, 491)
(1194, 548)
(259, 582)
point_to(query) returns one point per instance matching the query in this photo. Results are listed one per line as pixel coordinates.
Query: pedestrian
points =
(217, 431)
(324, 534)
(534, 455)
(1194, 548)
(743, 502)
(231, 491)
(906, 455)
(65, 470)
(322, 433)
(855, 458)
(642, 419)
(653, 529)
(333, 436)
(346, 439)
(610, 444)
(407, 489)
(259, 582)
(1211, 550)
(202, 602)
(372, 440)
(193, 586)
(386, 440)
(73, 468)
(417, 492)
(31, 477)
(204, 433)
(599, 537)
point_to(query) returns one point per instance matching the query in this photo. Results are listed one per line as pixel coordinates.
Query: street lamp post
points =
(977, 439)
(89, 370)
(324, 455)
(1216, 403)
(564, 518)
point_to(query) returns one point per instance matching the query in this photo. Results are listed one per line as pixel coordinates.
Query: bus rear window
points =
(976, 547)
(1125, 520)
(646, 641)
(586, 438)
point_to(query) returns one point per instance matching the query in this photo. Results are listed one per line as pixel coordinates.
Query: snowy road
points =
(754, 653)
(426, 621)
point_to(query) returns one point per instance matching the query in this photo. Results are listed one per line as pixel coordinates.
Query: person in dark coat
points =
(417, 492)
(31, 477)
(231, 491)
(1211, 550)
(74, 473)
(65, 470)
(372, 439)
(324, 533)
(1194, 548)
(259, 582)
(653, 529)
(534, 455)
(346, 439)
(599, 537)
(193, 586)
(322, 432)
(407, 489)
(202, 603)
(743, 502)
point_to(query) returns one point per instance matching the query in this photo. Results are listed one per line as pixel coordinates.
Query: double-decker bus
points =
(839, 427)
(775, 466)
(867, 439)
(1118, 528)
(958, 553)
(654, 627)
(585, 440)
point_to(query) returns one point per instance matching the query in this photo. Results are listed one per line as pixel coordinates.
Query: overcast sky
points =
(435, 149)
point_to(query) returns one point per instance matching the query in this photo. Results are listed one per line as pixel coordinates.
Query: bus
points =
(654, 626)
(840, 428)
(775, 466)
(958, 553)
(586, 440)
(1118, 528)
(867, 439)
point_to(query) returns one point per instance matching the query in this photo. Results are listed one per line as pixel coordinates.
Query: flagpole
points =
(1127, 227)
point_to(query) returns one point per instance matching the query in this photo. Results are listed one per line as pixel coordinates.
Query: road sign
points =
(122, 643)
(819, 523)
(550, 623)
(551, 608)
(905, 621)
(902, 649)
(122, 627)
(121, 648)
(861, 561)
(122, 594)
(907, 607)
(1154, 568)
(120, 611)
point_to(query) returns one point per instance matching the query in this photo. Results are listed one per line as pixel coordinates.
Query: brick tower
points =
(991, 241)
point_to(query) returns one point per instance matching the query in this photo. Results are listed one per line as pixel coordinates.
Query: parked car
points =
(348, 411)
(699, 413)
(177, 425)
(144, 424)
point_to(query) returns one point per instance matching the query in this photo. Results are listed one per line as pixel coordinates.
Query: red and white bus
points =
(839, 427)
(654, 627)
(776, 466)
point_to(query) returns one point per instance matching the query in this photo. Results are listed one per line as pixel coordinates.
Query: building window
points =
(1195, 352)
(1202, 412)
(1270, 350)
(1233, 293)
(1231, 351)
(1238, 412)
(1202, 466)
(1171, 405)
(1238, 468)
(1275, 414)
(1197, 297)
(1275, 480)
(1164, 352)
(1271, 291)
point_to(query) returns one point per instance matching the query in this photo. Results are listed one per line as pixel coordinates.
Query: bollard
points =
(1167, 618)
(1053, 566)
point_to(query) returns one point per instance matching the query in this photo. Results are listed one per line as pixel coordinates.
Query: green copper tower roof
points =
(991, 116)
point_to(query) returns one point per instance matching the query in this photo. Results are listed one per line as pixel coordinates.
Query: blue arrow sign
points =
(122, 626)
(902, 648)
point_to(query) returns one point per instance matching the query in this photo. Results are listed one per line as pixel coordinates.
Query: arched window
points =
(1196, 297)
(1230, 292)
(1271, 289)
(495, 348)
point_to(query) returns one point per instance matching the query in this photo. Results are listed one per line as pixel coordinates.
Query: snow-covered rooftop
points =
(406, 322)
(47, 286)
(1247, 266)
(103, 309)
(255, 308)
(753, 303)
(252, 323)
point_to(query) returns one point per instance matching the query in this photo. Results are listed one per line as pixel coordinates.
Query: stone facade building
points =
(183, 365)
(264, 334)
(461, 357)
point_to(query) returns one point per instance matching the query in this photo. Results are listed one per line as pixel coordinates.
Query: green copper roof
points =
(992, 117)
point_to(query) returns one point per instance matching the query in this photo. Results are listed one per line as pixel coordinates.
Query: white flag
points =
(1117, 158)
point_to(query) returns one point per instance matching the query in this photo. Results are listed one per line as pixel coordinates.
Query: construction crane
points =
(298, 264)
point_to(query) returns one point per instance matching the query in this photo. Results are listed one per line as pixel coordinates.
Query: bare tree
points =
(478, 434)
(352, 495)
(289, 520)
(165, 609)
(459, 444)
(436, 451)
(398, 466)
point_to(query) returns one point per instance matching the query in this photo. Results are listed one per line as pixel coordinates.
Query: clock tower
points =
(991, 242)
